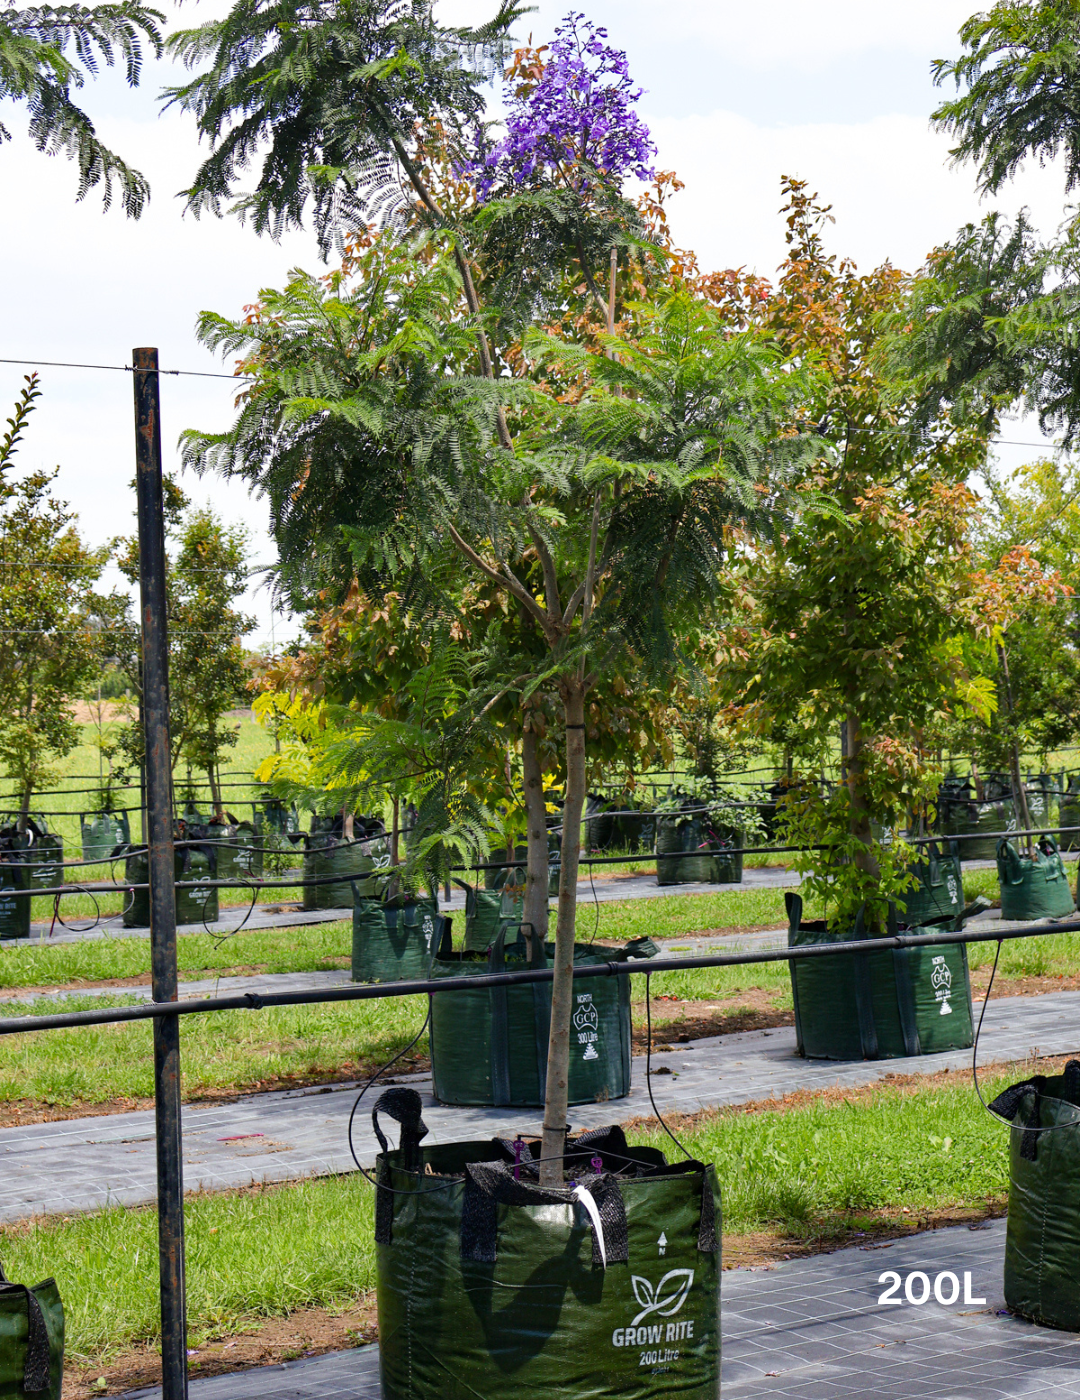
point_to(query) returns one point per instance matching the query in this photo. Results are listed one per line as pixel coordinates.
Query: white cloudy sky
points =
(738, 94)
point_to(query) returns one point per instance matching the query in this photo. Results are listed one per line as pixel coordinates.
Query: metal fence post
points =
(159, 809)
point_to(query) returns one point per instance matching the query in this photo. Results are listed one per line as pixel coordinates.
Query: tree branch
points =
(509, 581)
(551, 577)
(472, 300)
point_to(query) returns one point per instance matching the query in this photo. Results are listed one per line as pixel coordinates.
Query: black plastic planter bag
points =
(940, 891)
(31, 1341)
(44, 856)
(1042, 1239)
(353, 863)
(394, 941)
(491, 1287)
(102, 832)
(14, 909)
(1034, 886)
(489, 1045)
(876, 1006)
(196, 905)
(485, 911)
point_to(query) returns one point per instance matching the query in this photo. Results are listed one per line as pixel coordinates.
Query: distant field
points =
(62, 809)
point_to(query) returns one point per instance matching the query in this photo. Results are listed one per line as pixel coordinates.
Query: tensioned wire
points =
(242, 374)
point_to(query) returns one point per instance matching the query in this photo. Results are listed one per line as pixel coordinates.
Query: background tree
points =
(49, 641)
(206, 574)
(864, 610)
(46, 52)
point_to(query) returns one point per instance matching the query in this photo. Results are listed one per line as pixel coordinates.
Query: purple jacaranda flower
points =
(578, 119)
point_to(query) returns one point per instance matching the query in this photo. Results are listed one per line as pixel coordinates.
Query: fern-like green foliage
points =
(326, 100)
(991, 324)
(46, 51)
(1020, 82)
(689, 428)
(357, 760)
(376, 448)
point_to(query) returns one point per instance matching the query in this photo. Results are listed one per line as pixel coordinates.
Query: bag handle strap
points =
(1009, 867)
(405, 1107)
(37, 1369)
(490, 1184)
(1007, 1105)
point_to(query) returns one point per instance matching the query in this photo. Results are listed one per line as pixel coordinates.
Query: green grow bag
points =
(1041, 800)
(940, 891)
(876, 1006)
(395, 941)
(614, 824)
(491, 1286)
(31, 1341)
(102, 832)
(239, 848)
(273, 818)
(495, 879)
(1035, 886)
(1069, 814)
(485, 911)
(720, 861)
(554, 863)
(1042, 1238)
(982, 822)
(14, 911)
(489, 1045)
(354, 862)
(196, 905)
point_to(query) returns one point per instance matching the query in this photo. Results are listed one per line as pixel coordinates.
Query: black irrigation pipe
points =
(368, 992)
(105, 888)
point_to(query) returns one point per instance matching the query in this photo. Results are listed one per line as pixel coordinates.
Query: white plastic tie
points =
(585, 1196)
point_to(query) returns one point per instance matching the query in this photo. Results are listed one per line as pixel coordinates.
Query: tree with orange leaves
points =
(858, 616)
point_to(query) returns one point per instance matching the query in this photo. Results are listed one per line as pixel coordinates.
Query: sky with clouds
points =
(737, 95)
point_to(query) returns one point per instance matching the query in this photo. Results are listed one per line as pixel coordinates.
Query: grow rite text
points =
(649, 1336)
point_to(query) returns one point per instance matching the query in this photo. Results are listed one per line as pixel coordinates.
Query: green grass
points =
(258, 1254)
(249, 1256)
(835, 1162)
(308, 948)
(223, 1052)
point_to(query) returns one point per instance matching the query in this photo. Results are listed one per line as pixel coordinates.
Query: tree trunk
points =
(859, 819)
(536, 877)
(214, 778)
(394, 833)
(562, 990)
(1019, 790)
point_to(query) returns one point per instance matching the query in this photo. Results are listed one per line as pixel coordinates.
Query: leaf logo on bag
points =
(668, 1296)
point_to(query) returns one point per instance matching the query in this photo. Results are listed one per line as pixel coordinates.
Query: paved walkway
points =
(83, 1164)
(811, 1329)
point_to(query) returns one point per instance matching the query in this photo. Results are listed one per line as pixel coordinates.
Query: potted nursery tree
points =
(882, 658)
(600, 513)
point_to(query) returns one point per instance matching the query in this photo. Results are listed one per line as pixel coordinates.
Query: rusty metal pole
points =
(159, 809)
